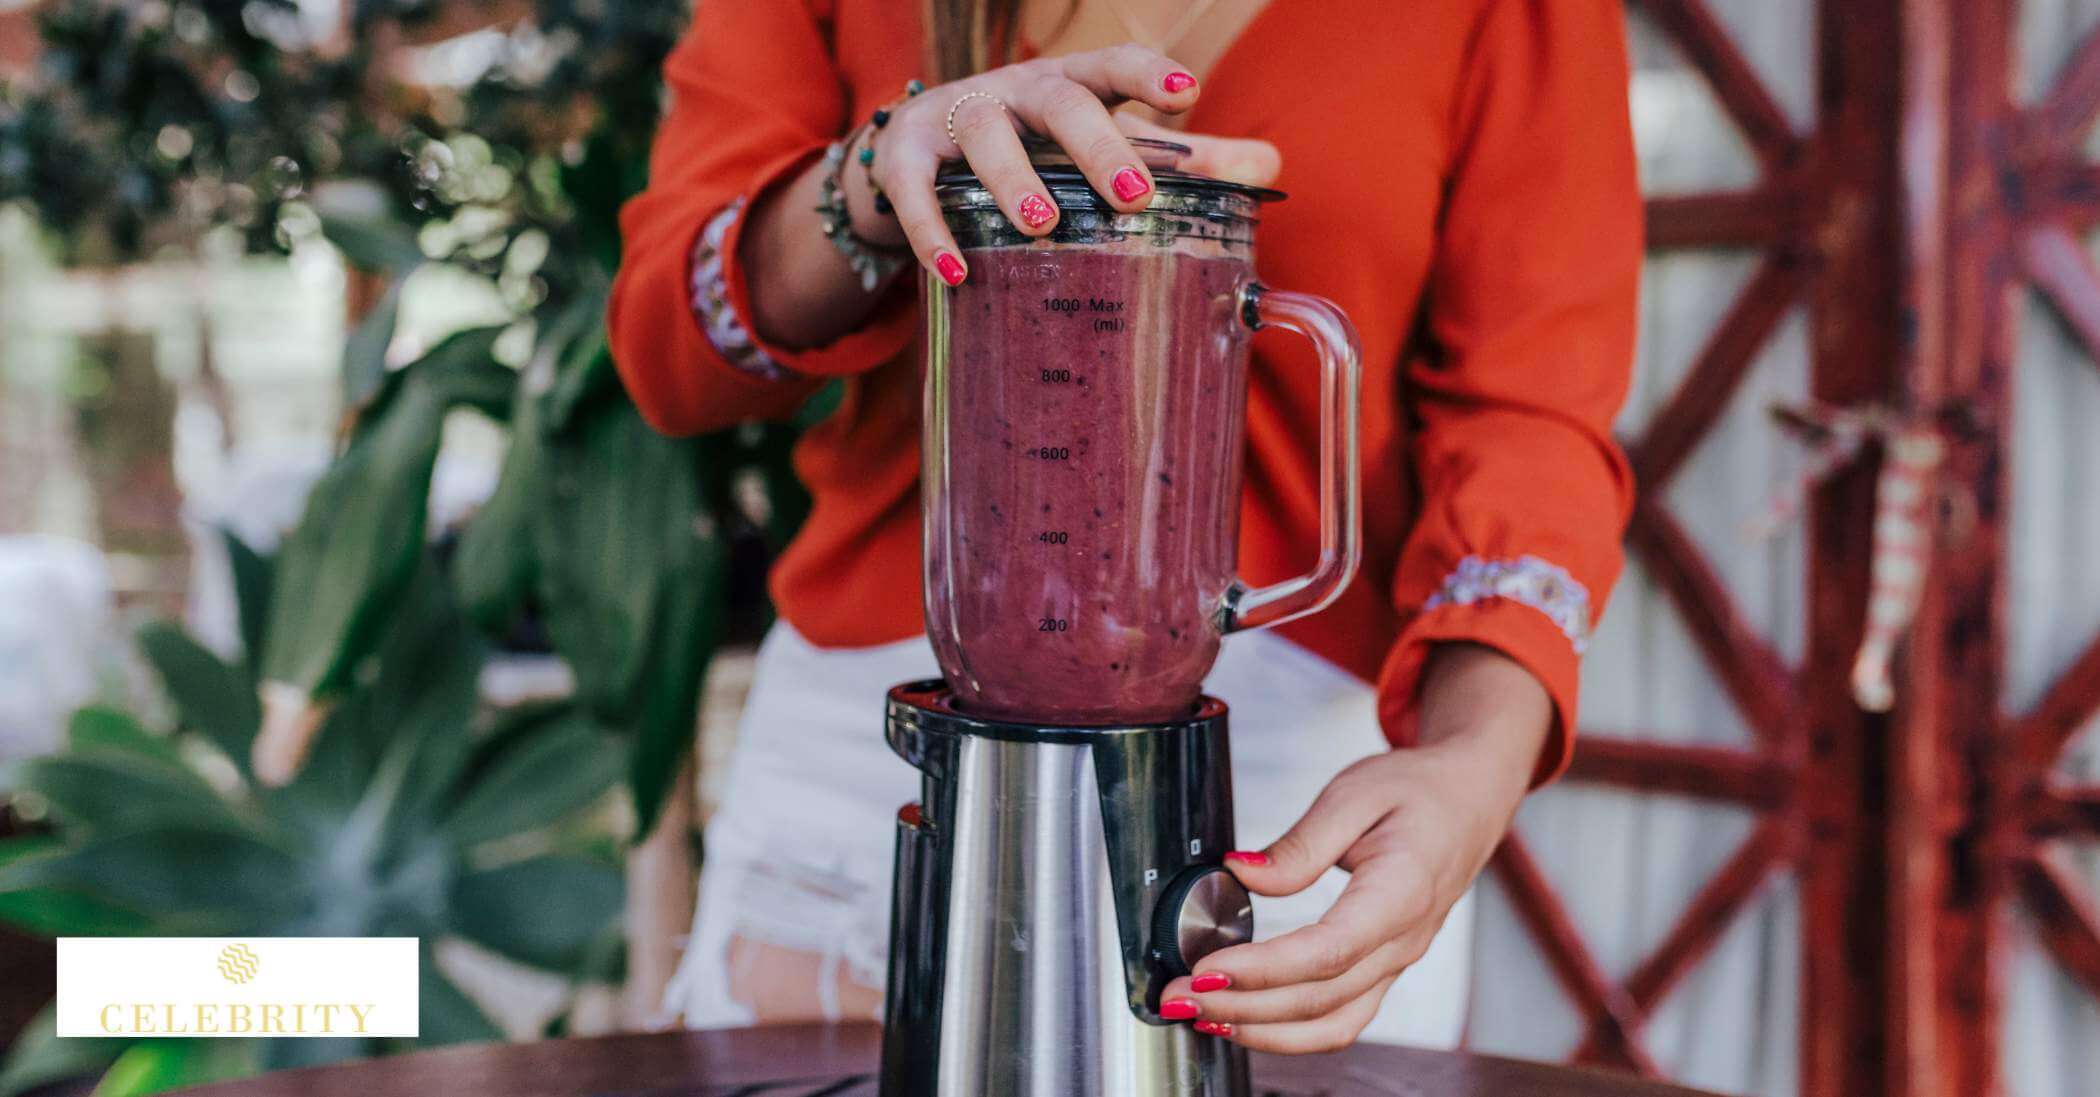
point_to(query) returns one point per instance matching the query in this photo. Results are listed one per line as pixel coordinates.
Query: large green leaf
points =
(373, 243)
(344, 568)
(419, 706)
(464, 366)
(108, 792)
(572, 902)
(630, 582)
(51, 913)
(626, 510)
(446, 1015)
(203, 877)
(160, 1065)
(251, 593)
(97, 730)
(581, 360)
(39, 1057)
(662, 733)
(364, 371)
(539, 778)
(494, 566)
(216, 699)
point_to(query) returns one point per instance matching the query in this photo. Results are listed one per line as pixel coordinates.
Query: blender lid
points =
(1162, 158)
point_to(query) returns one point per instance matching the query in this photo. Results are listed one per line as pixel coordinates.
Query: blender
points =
(1084, 437)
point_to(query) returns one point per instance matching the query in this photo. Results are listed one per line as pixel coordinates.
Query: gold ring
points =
(957, 105)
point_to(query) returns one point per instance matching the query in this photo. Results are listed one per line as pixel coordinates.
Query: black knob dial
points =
(1203, 910)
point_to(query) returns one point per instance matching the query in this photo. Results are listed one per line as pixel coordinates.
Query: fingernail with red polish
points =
(1209, 981)
(1130, 186)
(1036, 211)
(1213, 1028)
(1178, 81)
(1178, 1009)
(949, 267)
(1248, 857)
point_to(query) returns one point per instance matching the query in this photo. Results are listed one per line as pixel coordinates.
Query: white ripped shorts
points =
(798, 855)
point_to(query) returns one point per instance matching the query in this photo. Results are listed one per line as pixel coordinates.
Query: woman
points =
(1462, 183)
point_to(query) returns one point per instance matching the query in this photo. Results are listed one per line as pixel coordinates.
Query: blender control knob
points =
(1203, 910)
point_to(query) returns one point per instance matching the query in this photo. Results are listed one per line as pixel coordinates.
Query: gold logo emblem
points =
(239, 963)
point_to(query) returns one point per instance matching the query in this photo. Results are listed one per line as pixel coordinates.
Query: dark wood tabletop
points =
(826, 1061)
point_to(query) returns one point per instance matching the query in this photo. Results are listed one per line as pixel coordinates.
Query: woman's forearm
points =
(803, 294)
(1479, 702)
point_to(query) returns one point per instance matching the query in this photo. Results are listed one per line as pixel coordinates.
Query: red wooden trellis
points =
(1818, 214)
(1921, 203)
(2018, 196)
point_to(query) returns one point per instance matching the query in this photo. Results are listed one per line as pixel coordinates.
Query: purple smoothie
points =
(1082, 514)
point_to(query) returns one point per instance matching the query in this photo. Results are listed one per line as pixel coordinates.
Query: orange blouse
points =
(1462, 182)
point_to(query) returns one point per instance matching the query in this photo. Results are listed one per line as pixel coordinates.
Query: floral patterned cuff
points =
(1526, 580)
(710, 300)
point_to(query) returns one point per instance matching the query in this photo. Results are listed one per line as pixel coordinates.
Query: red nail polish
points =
(1178, 81)
(1130, 186)
(1209, 981)
(1178, 1009)
(949, 267)
(1036, 211)
(1248, 857)
(1213, 1028)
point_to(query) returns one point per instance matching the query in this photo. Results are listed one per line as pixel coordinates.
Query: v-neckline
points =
(1226, 57)
(1230, 56)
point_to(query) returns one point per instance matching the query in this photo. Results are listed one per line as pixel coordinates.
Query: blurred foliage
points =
(505, 152)
(420, 814)
(499, 138)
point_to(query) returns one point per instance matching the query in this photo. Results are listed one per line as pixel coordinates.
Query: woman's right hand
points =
(1066, 99)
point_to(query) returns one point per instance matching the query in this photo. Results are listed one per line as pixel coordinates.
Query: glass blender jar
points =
(1084, 438)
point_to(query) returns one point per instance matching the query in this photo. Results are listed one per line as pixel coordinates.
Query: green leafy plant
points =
(420, 814)
(344, 751)
(150, 126)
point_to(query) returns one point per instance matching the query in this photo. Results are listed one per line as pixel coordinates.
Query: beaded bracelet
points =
(871, 262)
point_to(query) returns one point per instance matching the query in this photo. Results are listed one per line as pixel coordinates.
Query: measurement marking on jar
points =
(1048, 453)
(1106, 326)
(1057, 377)
(1054, 537)
(1052, 624)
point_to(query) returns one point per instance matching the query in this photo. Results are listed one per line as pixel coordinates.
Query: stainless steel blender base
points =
(1049, 885)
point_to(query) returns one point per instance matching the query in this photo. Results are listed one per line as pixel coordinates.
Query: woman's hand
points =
(1066, 99)
(1413, 827)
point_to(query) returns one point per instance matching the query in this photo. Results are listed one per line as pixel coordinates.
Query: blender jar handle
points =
(1341, 532)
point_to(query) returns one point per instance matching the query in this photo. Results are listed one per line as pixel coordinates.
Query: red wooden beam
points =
(2064, 188)
(2068, 111)
(2071, 703)
(1709, 915)
(2065, 915)
(2068, 811)
(2058, 264)
(1689, 415)
(1735, 83)
(1614, 1018)
(1728, 774)
(1756, 678)
(1757, 218)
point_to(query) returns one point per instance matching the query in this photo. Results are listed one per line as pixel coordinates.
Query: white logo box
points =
(237, 986)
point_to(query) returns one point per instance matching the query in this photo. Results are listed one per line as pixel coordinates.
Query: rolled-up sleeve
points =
(755, 98)
(1528, 351)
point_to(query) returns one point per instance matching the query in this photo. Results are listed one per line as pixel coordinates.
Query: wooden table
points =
(824, 1061)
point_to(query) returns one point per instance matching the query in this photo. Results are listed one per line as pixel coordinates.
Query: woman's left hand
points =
(1413, 827)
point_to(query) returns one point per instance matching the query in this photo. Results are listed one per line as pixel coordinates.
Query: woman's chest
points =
(1357, 95)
